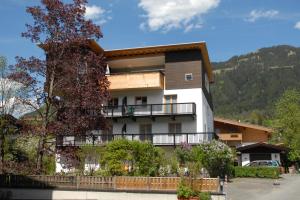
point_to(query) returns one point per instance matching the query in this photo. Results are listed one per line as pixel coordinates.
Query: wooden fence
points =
(117, 183)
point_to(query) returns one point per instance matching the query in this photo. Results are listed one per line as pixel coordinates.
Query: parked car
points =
(263, 163)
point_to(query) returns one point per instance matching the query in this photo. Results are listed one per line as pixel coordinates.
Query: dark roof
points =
(260, 145)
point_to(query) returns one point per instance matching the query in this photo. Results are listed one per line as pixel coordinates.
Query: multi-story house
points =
(158, 93)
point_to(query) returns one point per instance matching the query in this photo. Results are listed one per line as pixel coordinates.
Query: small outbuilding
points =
(261, 151)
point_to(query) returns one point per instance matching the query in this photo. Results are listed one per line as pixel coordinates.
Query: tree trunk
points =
(2, 153)
(40, 155)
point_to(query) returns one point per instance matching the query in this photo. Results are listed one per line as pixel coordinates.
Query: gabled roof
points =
(262, 144)
(242, 124)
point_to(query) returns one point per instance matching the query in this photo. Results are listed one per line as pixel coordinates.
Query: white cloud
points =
(174, 14)
(97, 14)
(297, 25)
(258, 14)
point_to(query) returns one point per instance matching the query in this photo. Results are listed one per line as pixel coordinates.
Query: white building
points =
(160, 94)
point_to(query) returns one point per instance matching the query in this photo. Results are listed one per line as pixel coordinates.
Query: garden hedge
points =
(259, 172)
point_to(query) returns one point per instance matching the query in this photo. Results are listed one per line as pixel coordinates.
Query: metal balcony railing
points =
(170, 109)
(158, 139)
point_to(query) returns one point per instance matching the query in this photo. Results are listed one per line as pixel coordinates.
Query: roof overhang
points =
(241, 124)
(262, 144)
(154, 50)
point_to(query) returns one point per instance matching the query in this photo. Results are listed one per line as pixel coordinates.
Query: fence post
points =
(148, 183)
(77, 182)
(114, 186)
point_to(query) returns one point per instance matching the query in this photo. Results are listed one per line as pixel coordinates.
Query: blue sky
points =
(230, 27)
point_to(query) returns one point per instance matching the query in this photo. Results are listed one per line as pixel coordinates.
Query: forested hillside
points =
(247, 86)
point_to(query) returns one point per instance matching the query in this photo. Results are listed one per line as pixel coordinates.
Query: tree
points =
(68, 87)
(286, 122)
(8, 105)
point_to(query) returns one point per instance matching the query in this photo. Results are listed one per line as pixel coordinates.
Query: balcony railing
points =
(151, 110)
(158, 139)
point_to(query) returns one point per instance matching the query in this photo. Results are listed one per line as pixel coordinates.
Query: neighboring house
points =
(249, 140)
(160, 94)
(236, 134)
(261, 151)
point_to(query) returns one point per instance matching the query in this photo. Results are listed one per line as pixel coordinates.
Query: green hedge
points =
(259, 172)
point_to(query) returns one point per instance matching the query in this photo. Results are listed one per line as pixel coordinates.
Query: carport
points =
(260, 151)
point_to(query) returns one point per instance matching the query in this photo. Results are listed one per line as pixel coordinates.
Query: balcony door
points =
(171, 106)
(145, 132)
(174, 131)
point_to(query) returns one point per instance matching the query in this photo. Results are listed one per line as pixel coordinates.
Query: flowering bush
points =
(216, 157)
(184, 153)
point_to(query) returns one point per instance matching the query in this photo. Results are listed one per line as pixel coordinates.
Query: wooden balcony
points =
(230, 136)
(140, 80)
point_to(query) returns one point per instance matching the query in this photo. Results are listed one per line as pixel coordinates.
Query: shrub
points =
(216, 157)
(259, 172)
(184, 153)
(204, 196)
(183, 191)
(124, 157)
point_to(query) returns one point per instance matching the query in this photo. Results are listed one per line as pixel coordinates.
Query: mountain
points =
(247, 86)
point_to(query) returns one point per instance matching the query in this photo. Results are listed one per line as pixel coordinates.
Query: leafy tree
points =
(286, 122)
(66, 88)
(8, 107)
(216, 157)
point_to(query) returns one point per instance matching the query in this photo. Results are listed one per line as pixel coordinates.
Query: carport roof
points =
(276, 148)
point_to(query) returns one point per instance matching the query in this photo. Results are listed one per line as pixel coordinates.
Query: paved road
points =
(264, 189)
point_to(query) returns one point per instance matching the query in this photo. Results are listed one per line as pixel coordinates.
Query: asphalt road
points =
(285, 188)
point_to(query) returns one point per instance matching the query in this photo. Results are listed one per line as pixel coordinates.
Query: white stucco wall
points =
(245, 158)
(276, 156)
(203, 121)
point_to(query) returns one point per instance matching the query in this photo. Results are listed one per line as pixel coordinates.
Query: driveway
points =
(286, 188)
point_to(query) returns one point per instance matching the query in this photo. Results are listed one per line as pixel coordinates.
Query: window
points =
(189, 77)
(140, 100)
(174, 127)
(113, 103)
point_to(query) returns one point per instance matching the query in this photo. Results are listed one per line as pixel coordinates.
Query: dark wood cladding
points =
(175, 75)
(181, 56)
(205, 91)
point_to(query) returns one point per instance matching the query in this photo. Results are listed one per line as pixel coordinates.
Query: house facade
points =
(250, 141)
(159, 94)
(236, 134)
